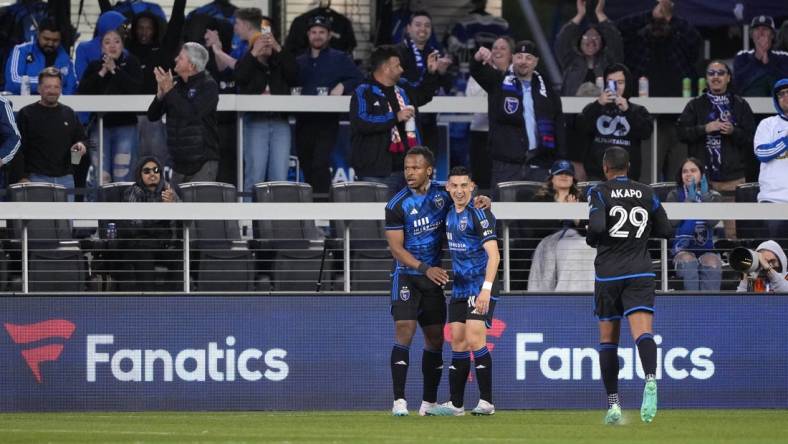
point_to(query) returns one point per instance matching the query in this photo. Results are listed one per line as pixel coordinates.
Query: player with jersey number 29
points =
(623, 215)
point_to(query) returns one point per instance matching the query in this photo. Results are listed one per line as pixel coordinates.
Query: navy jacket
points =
(328, 69)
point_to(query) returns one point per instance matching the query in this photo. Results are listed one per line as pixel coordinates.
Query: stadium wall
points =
(310, 352)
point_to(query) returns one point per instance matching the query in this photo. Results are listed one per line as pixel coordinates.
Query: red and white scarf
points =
(397, 146)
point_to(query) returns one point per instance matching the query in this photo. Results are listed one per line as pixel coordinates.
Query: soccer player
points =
(474, 256)
(623, 214)
(414, 230)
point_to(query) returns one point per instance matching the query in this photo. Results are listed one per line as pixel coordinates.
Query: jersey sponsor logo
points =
(438, 201)
(487, 232)
(463, 224)
(421, 222)
(564, 363)
(612, 125)
(404, 293)
(510, 105)
(627, 192)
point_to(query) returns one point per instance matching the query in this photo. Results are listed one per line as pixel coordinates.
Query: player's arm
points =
(396, 241)
(493, 260)
(597, 218)
(661, 227)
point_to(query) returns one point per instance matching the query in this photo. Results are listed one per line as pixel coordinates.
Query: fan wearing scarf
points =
(526, 120)
(383, 118)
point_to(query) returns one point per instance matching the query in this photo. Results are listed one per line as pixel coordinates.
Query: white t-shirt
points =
(773, 178)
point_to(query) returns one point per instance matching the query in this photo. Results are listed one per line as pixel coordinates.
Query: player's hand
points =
(437, 275)
(482, 302)
(482, 202)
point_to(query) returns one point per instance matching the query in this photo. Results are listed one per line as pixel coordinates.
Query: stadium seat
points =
(56, 261)
(223, 262)
(294, 248)
(517, 191)
(662, 189)
(585, 186)
(370, 259)
(750, 232)
(525, 234)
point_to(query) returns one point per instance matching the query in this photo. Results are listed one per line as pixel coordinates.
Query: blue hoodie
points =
(781, 84)
(91, 50)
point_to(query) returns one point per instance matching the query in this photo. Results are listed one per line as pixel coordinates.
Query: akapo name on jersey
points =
(626, 192)
(559, 363)
(217, 364)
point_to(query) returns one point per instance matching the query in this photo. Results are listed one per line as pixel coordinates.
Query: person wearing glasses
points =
(717, 127)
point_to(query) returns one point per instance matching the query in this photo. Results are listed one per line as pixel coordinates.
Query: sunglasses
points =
(782, 93)
(716, 72)
(154, 170)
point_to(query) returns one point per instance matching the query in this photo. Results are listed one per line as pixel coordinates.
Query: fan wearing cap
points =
(526, 120)
(757, 69)
(771, 149)
(321, 69)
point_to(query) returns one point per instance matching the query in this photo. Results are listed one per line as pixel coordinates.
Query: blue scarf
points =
(693, 235)
(720, 109)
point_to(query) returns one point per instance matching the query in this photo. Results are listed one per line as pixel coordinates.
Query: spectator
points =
(772, 276)
(28, 59)
(662, 47)
(757, 69)
(414, 49)
(584, 56)
(380, 110)
(342, 36)
(476, 29)
(480, 162)
(771, 149)
(696, 263)
(246, 27)
(146, 241)
(18, 23)
(53, 139)
(562, 261)
(782, 37)
(717, 127)
(117, 73)
(190, 106)
(9, 138)
(91, 50)
(266, 69)
(526, 121)
(613, 120)
(133, 8)
(315, 133)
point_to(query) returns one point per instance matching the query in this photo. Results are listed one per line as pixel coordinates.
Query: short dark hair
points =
(49, 25)
(420, 13)
(253, 16)
(420, 150)
(460, 170)
(616, 158)
(50, 71)
(381, 55)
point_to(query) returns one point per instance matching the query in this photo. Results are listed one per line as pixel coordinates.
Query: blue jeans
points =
(266, 149)
(703, 273)
(67, 181)
(120, 152)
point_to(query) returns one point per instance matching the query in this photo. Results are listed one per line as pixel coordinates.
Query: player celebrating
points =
(623, 215)
(475, 258)
(414, 230)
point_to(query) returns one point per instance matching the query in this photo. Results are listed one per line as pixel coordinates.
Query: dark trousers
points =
(479, 159)
(228, 149)
(315, 137)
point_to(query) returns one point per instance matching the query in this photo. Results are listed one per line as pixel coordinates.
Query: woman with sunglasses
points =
(717, 127)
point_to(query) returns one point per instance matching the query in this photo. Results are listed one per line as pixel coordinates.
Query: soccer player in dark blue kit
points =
(475, 258)
(623, 214)
(415, 220)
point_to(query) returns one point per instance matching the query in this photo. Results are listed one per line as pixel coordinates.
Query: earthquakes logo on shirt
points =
(485, 223)
(191, 93)
(510, 105)
(463, 224)
(438, 201)
(404, 293)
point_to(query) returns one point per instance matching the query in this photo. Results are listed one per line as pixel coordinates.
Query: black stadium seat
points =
(524, 234)
(754, 230)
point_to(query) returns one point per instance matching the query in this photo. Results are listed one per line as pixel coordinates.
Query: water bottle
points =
(600, 83)
(686, 87)
(24, 89)
(701, 85)
(112, 231)
(643, 87)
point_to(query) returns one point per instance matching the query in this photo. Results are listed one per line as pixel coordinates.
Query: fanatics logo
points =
(40, 331)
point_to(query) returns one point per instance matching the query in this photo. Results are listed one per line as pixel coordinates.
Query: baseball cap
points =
(562, 166)
(762, 20)
(318, 20)
(526, 47)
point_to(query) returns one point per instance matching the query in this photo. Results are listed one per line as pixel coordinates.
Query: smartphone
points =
(265, 30)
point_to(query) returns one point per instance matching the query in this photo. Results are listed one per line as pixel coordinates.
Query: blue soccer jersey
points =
(467, 231)
(422, 219)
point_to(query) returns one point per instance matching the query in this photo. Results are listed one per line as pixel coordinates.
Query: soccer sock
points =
(431, 368)
(458, 376)
(647, 349)
(483, 364)
(400, 358)
(608, 364)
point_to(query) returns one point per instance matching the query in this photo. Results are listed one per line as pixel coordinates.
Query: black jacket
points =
(192, 132)
(737, 151)
(278, 74)
(371, 121)
(139, 193)
(126, 80)
(507, 141)
(605, 125)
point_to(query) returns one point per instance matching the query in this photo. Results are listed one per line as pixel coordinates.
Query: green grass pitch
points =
(539, 426)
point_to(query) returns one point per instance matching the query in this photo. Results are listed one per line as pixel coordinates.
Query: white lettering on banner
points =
(129, 365)
(557, 363)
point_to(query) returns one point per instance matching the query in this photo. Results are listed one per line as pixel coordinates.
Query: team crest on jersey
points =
(463, 224)
(510, 105)
(438, 201)
(485, 223)
(404, 293)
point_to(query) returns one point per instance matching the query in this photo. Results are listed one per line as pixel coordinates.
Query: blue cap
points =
(562, 166)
